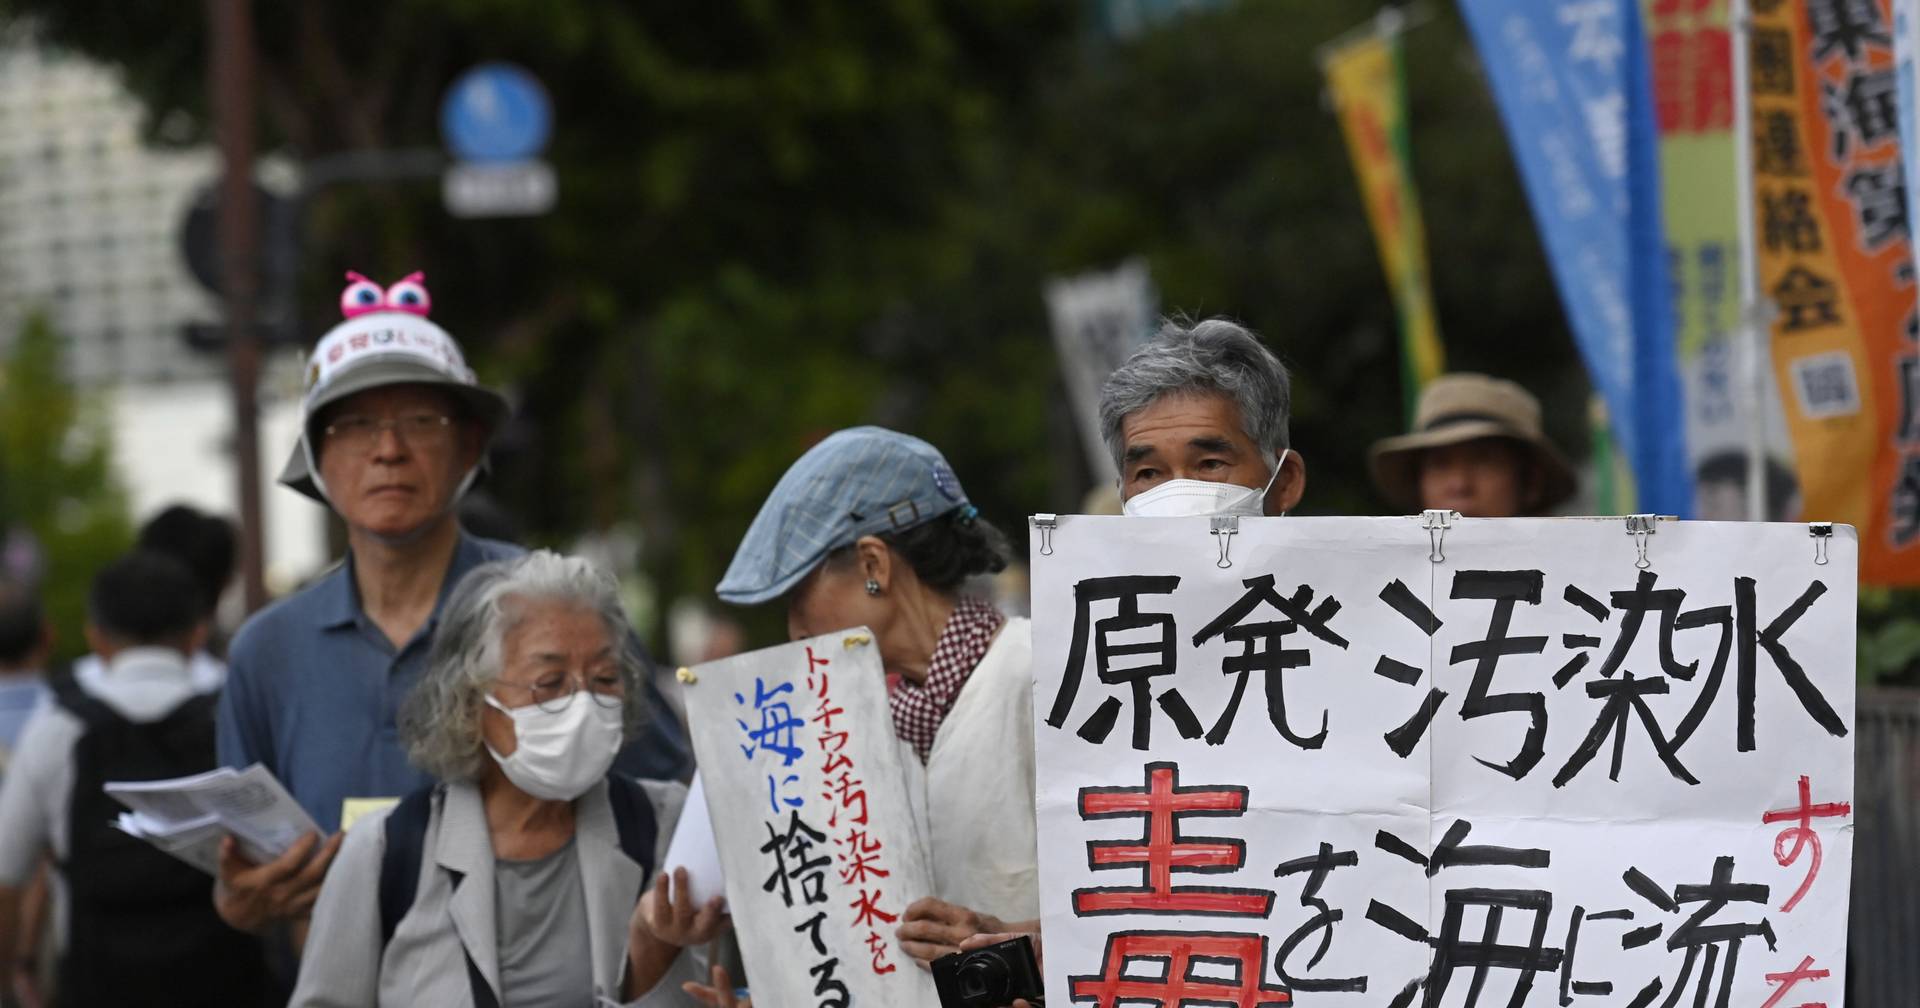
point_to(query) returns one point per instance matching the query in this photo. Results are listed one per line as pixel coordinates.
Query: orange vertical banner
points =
(1836, 263)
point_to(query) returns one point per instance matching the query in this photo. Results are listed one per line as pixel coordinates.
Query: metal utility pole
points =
(1752, 337)
(230, 83)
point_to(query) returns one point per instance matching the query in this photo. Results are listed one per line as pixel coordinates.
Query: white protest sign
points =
(812, 814)
(1499, 764)
(1099, 319)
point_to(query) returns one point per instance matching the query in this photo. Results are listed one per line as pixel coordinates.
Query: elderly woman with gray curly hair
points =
(519, 877)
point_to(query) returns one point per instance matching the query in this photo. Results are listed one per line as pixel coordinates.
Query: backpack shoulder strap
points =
(194, 714)
(633, 818)
(406, 835)
(81, 704)
(200, 705)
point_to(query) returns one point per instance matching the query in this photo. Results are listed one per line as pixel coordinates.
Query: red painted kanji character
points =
(824, 715)
(877, 947)
(1192, 961)
(1162, 850)
(867, 912)
(850, 791)
(1802, 835)
(1804, 971)
(861, 859)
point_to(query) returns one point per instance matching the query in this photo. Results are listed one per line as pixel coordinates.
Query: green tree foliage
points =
(56, 479)
(1889, 647)
(781, 218)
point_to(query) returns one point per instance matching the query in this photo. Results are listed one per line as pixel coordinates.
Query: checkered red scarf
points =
(918, 710)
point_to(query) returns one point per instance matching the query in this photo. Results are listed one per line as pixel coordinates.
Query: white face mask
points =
(559, 755)
(1190, 498)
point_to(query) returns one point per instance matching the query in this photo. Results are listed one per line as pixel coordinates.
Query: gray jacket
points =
(425, 962)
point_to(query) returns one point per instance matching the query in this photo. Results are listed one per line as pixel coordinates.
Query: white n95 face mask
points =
(1190, 498)
(558, 755)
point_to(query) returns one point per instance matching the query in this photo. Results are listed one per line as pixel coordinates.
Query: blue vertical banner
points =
(1576, 94)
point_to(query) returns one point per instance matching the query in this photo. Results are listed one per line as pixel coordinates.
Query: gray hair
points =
(1214, 356)
(440, 720)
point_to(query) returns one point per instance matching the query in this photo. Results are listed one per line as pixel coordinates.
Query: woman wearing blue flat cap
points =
(871, 527)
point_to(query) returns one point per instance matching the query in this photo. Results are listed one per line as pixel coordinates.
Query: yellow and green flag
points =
(1366, 82)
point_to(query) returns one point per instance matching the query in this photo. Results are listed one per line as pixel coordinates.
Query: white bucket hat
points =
(386, 340)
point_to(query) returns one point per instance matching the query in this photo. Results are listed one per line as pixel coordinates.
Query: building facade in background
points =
(90, 219)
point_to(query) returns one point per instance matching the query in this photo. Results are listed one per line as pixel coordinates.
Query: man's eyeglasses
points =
(358, 432)
(550, 693)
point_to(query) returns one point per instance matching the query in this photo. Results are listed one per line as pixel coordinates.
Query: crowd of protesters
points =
(502, 697)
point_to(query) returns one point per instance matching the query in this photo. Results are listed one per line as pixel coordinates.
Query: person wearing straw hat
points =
(395, 431)
(1477, 448)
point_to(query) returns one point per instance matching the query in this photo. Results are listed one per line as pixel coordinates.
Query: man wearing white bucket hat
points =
(396, 429)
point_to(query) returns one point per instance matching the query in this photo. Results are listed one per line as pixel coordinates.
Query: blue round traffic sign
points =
(496, 112)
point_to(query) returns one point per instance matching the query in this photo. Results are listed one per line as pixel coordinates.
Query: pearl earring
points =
(873, 587)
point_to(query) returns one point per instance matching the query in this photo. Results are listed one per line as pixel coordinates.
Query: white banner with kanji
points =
(1518, 762)
(814, 818)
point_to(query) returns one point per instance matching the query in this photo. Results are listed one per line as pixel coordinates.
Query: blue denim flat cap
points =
(859, 481)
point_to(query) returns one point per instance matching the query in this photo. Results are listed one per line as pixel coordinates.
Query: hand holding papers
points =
(187, 816)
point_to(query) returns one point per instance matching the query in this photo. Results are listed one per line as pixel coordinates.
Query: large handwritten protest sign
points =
(814, 818)
(1505, 763)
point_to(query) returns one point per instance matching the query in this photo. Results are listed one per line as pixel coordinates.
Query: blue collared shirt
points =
(314, 687)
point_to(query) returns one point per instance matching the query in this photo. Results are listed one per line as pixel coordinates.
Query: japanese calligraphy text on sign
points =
(1836, 260)
(1512, 766)
(815, 819)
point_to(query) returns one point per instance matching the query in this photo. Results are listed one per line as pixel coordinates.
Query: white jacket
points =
(980, 787)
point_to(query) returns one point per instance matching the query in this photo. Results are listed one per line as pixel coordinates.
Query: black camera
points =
(990, 977)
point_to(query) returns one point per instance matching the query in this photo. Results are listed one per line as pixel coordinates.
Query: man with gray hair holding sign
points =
(1197, 423)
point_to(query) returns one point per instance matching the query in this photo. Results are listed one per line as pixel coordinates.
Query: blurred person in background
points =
(1477, 447)
(208, 547)
(871, 527)
(26, 641)
(396, 429)
(523, 868)
(134, 925)
(1197, 423)
(1720, 488)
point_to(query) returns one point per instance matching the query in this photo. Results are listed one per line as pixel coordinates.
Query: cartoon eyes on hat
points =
(361, 296)
(408, 295)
